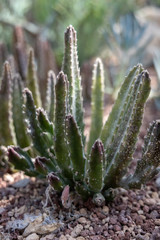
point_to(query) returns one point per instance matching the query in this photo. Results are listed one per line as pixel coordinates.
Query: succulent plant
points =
(95, 168)
(12, 128)
(12, 85)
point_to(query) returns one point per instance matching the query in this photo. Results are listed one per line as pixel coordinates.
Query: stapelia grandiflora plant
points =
(95, 168)
(13, 128)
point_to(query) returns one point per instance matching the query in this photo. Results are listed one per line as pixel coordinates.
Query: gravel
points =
(24, 214)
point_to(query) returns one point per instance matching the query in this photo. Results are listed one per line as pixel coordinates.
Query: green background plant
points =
(50, 18)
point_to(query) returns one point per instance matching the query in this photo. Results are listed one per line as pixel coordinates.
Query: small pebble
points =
(62, 237)
(105, 209)
(117, 228)
(150, 201)
(83, 211)
(22, 183)
(32, 236)
(82, 220)
(76, 231)
(140, 212)
(157, 222)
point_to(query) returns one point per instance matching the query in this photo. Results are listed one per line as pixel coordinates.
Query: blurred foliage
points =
(11, 12)
(50, 18)
(155, 94)
(153, 2)
(124, 39)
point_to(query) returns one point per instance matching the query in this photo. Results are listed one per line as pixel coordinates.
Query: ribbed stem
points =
(119, 154)
(147, 166)
(95, 167)
(7, 135)
(31, 79)
(76, 149)
(70, 67)
(17, 113)
(61, 149)
(96, 103)
(50, 96)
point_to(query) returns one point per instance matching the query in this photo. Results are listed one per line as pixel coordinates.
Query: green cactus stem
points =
(96, 103)
(71, 68)
(55, 182)
(47, 163)
(50, 96)
(108, 130)
(76, 149)
(3, 56)
(7, 136)
(61, 149)
(35, 131)
(40, 167)
(123, 145)
(67, 66)
(147, 165)
(44, 122)
(21, 160)
(95, 167)
(46, 126)
(31, 79)
(17, 112)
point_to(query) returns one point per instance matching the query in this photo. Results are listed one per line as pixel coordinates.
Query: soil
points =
(29, 210)
(132, 214)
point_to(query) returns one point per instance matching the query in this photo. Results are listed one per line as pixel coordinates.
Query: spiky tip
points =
(12, 153)
(40, 166)
(70, 34)
(52, 178)
(6, 70)
(98, 146)
(145, 73)
(31, 54)
(51, 75)
(27, 93)
(69, 29)
(61, 78)
(69, 117)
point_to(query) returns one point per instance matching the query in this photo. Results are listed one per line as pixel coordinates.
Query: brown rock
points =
(113, 220)
(117, 228)
(82, 220)
(38, 226)
(77, 230)
(157, 222)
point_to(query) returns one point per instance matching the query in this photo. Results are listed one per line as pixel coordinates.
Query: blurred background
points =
(121, 32)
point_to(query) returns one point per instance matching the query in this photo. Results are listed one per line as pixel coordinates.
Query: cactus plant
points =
(12, 84)
(7, 135)
(102, 166)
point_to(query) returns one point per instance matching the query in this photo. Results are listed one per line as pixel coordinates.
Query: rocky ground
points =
(25, 214)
